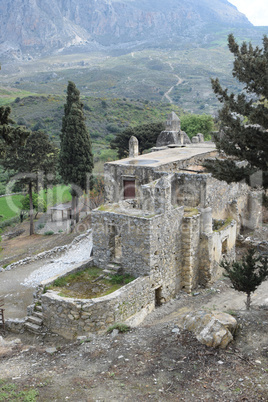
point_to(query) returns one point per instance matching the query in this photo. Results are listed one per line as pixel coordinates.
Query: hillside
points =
(37, 27)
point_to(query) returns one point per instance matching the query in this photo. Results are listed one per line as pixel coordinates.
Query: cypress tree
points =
(247, 275)
(244, 117)
(76, 158)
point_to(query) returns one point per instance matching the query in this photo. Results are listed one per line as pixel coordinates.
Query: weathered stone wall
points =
(133, 237)
(219, 194)
(114, 176)
(165, 252)
(189, 189)
(213, 246)
(191, 227)
(73, 317)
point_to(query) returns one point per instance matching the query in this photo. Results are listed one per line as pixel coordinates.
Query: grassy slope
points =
(104, 115)
(10, 205)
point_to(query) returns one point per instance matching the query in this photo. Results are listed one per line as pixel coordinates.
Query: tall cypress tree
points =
(76, 158)
(244, 118)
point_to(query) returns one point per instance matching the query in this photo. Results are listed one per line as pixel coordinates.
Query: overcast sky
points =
(255, 10)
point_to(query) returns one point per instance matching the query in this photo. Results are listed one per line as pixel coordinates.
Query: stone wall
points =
(165, 253)
(191, 229)
(212, 247)
(122, 239)
(74, 317)
(114, 175)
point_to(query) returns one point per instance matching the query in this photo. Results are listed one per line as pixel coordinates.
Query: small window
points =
(158, 297)
(129, 189)
(224, 247)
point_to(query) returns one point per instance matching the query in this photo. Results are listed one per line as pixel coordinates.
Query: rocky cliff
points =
(28, 26)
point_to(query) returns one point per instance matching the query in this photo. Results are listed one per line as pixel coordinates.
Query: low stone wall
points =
(16, 326)
(74, 317)
(54, 252)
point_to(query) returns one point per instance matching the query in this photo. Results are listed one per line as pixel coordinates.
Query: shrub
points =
(121, 328)
(49, 233)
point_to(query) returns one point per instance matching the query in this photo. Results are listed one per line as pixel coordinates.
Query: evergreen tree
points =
(11, 137)
(76, 158)
(247, 275)
(38, 157)
(146, 134)
(244, 118)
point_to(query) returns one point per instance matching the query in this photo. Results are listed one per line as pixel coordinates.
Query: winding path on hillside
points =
(166, 95)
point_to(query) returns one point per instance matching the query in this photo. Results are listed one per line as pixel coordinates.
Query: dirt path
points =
(18, 284)
(166, 95)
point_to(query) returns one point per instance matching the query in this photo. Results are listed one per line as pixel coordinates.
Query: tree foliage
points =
(11, 137)
(33, 164)
(247, 275)
(76, 158)
(244, 117)
(39, 203)
(193, 124)
(146, 134)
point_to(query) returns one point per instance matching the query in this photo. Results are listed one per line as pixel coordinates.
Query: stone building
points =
(159, 214)
(166, 222)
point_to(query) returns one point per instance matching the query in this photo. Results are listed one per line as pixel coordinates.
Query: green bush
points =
(49, 233)
(121, 328)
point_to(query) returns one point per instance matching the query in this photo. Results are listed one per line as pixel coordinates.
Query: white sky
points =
(255, 10)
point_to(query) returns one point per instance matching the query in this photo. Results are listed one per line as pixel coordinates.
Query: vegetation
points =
(193, 124)
(244, 118)
(11, 137)
(39, 203)
(75, 158)
(247, 275)
(41, 156)
(10, 206)
(10, 392)
(146, 134)
(90, 283)
(120, 327)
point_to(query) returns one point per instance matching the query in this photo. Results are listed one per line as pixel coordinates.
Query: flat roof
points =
(169, 155)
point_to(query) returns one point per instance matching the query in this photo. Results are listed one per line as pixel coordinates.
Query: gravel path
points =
(18, 284)
(78, 253)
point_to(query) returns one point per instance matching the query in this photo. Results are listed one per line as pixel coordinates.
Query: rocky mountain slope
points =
(38, 26)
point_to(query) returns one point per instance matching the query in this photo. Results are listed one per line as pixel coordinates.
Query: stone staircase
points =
(34, 322)
(113, 268)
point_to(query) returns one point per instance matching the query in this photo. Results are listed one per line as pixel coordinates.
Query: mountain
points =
(35, 27)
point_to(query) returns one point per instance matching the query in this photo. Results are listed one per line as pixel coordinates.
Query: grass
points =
(9, 207)
(221, 224)
(11, 392)
(90, 283)
(121, 328)
(188, 211)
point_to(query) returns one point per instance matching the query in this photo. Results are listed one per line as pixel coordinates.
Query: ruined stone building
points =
(160, 208)
(158, 224)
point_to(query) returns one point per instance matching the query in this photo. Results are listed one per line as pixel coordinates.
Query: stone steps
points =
(114, 267)
(34, 322)
(36, 329)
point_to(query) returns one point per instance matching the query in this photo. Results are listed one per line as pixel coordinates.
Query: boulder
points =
(214, 329)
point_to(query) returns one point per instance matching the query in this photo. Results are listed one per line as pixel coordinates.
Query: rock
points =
(213, 329)
(11, 343)
(51, 350)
